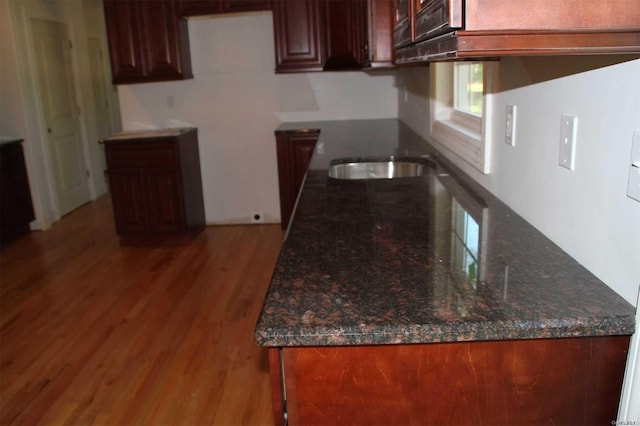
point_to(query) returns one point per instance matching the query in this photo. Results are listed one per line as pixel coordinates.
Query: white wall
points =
(586, 211)
(236, 101)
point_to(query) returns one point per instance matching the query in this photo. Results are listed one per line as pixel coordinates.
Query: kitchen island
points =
(426, 300)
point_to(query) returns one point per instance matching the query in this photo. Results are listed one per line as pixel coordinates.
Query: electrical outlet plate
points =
(633, 186)
(568, 133)
(257, 217)
(510, 125)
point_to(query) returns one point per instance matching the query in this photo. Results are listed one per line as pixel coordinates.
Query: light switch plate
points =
(510, 125)
(633, 186)
(568, 133)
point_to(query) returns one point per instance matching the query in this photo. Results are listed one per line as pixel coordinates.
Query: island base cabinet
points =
(541, 381)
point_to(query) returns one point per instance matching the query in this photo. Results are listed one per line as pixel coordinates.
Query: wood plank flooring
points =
(95, 333)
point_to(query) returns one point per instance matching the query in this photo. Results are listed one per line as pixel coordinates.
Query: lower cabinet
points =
(294, 152)
(16, 208)
(526, 382)
(156, 187)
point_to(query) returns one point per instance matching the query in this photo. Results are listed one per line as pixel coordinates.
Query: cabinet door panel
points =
(298, 35)
(379, 47)
(128, 197)
(122, 20)
(161, 41)
(147, 41)
(165, 200)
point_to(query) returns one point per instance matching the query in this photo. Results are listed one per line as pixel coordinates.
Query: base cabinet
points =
(526, 382)
(16, 208)
(294, 154)
(156, 187)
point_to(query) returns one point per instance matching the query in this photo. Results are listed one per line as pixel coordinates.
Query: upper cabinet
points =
(447, 29)
(209, 7)
(299, 32)
(378, 49)
(147, 41)
(345, 34)
(329, 35)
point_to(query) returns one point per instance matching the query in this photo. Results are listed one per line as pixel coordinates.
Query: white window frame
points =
(465, 135)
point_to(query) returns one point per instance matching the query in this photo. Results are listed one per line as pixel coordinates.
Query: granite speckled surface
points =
(420, 260)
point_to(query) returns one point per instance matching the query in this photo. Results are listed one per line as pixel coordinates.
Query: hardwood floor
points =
(95, 333)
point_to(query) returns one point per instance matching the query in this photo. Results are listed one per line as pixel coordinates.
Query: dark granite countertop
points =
(420, 260)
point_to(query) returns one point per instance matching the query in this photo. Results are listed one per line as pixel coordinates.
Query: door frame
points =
(37, 152)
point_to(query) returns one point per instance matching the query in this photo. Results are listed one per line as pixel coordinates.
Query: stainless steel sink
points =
(390, 168)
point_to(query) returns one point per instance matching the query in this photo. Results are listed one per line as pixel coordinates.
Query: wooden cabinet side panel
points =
(16, 206)
(301, 150)
(551, 14)
(285, 180)
(298, 35)
(275, 374)
(294, 154)
(192, 180)
(546, 381)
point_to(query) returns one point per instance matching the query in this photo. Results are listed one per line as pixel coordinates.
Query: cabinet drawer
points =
(140, 154)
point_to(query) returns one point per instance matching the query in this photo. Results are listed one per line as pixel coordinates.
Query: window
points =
(461, 108)
(468, 88)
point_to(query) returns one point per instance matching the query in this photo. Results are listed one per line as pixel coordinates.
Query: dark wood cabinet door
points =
(165, 204)
(378, 50)
(345, 24)
(124, 33)
(403, 29)
(298, 31)
(147, 41)
(161, 41)
(16, 207)
(294, 154)
(128, 198)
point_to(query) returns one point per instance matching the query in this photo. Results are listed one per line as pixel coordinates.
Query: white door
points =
(51, 47)
(99, 87)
